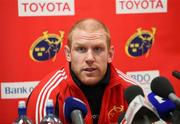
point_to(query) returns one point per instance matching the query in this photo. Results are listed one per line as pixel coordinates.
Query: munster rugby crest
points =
(114, 113)
(46, 46)
(140, 43)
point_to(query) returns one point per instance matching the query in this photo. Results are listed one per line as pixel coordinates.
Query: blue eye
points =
(98, 49)
(81, 49)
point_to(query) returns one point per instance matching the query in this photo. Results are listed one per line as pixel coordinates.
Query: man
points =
(90, 77)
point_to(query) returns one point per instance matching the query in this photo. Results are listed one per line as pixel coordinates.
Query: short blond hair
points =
(94, 25)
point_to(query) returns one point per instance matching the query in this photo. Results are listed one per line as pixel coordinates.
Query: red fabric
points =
(112, 105)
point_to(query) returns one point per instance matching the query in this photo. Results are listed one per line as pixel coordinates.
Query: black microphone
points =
(139, 110)
(74, 110)
(176, 74)
(162, 87)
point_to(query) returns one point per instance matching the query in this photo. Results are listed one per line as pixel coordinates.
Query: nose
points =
(90, 57)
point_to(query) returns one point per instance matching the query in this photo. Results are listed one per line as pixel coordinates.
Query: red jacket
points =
(59, 85)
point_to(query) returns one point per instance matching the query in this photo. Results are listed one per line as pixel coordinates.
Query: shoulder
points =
(125, 77)
(48, 88)
(51, 82)
(122, 78)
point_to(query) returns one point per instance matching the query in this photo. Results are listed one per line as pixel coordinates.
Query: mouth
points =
(89, 69)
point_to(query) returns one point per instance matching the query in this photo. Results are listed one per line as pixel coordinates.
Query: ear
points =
(110, 54)
(67, 53)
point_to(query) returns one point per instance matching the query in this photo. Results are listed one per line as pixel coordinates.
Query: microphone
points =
(74, 110)
(162, 87)
(139, 110)
(176, 74)
(164, 107)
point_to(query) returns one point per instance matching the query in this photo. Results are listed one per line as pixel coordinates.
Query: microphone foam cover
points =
(72, 103)
(161, 86)
(131, 92)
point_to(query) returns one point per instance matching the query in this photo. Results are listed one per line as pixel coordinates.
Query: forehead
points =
(81, 36)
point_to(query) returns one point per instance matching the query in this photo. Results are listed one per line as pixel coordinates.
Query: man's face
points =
(89, 55)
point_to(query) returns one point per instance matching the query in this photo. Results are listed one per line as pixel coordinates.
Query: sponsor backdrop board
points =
(145, 34)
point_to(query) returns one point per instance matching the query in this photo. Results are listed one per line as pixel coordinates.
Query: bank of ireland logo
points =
(46, 46)
(140, 43)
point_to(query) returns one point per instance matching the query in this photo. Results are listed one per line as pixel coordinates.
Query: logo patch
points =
(46, 47)
(114, 113)
(140, 43)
